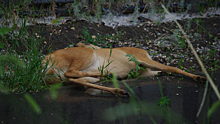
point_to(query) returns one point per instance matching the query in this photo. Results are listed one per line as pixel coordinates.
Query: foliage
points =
(97, 40)
(134, 72)
(4, 31)
(33, 103)
(179, 63)
(213, 109)
(143, 108)
(22, 73)
(54, 91)
(181, 41)
(103, 69)
(164, 101)
(100, 40)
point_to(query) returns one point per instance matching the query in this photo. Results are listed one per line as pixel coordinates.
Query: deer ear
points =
(80, 45)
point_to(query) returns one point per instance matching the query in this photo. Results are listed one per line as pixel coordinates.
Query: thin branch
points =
(196, 55)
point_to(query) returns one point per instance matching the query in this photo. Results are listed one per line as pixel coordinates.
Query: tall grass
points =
(21, 57)
(27, 77)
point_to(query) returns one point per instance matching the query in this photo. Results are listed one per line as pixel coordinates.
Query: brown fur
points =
(80, 65)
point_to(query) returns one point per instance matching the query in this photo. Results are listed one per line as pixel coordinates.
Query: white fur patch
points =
(91, 79)
(149, 56)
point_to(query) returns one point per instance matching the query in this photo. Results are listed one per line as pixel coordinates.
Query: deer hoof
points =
(122, 93)
(201, 79)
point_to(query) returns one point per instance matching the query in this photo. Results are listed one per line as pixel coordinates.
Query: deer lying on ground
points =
(80, 65)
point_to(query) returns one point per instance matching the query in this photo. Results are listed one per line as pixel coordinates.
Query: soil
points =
(158, 40)
(163, 42)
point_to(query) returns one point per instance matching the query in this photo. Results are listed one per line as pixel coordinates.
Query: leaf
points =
(3, 89)
(33, 103)
(69, 11)
(55, 21)
(1, 45)
(214, 107)
(115, 81)
(54, 91)
(12, 59)
(4, 31)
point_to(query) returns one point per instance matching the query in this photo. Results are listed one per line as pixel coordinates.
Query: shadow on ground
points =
(73, 105)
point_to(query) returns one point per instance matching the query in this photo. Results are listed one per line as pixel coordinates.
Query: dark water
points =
(73, 106)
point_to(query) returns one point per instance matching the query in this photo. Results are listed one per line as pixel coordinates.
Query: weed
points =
(155, 53)
(117, 37)
(180, 62)
(97, 40)
(33, 103)
(134, 72)
(88, 37)
(188, 25)
(181, 79)
(170, 57)
(103, 69)
(22, 72)
(181, 41)
(199, 22)
(213, 108)
(164, 100)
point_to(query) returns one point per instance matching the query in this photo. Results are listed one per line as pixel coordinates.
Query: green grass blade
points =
(54, 91)
(32, 103)
(115, 81)
(213, 109)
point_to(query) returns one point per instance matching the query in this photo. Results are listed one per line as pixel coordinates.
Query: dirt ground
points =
(145, 36)
(63, 35)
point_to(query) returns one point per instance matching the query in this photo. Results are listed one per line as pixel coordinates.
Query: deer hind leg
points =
(74, 71)
(148, 73)
(79, 64)
(87, 83)
(158, 66)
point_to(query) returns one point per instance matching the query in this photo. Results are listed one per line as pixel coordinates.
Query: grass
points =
(27, 77)
(98, 41)
(201, 64)
(21, 62)
(21, 71)
(164, 101)
(134, 72)
(104, 68)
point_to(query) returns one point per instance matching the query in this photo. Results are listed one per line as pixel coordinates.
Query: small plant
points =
(21, 73)
(155, 53)
(117, 37)
(97, 40)
(88, 37)
(181, 41)
(181, 78)
(179, 63)
(103, 69)
(192, 68)
(134, 72)
(188, 25)
(199, 22)
(164, 101)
